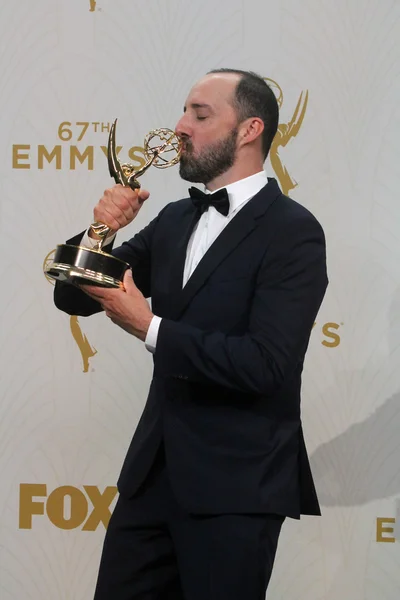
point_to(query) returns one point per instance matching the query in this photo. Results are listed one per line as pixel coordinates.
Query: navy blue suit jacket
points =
(225, 393)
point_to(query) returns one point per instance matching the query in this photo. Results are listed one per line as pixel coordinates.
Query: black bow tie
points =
(219, 200)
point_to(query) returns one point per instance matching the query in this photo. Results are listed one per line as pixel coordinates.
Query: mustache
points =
(187, 145)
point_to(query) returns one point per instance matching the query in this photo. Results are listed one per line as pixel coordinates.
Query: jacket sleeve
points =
(290, 286)
(136, 252)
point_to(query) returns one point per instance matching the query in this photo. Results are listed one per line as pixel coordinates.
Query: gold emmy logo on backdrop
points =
(92, 5)
(81, 340)
(77, 264)
(286, 131)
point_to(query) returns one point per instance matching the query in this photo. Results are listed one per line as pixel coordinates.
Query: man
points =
(218, 459)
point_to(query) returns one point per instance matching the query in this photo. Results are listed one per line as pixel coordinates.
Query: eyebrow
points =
(197, 105)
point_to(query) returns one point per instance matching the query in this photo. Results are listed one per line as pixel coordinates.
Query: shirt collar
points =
(244, 189)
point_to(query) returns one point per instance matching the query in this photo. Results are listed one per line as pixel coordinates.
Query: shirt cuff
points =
(152, 334)
(88, 242)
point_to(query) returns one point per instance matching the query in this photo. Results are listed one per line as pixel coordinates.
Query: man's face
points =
(208, 129)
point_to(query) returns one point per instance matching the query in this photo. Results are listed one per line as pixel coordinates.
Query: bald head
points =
(220, 86)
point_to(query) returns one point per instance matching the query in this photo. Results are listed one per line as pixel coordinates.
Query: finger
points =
(117, 215)
(115, 208)
(97, 293)
(123, 209)
(119, 205)
(142, 196)
(107, 212)
(94, 295)
(88, 289)
(130, 200)
(126, 199)
(128, 281)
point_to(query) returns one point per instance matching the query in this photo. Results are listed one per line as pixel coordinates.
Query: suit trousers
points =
(155, 550)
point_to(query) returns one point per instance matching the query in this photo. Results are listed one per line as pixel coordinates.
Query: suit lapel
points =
(233, 234)
(187, 224)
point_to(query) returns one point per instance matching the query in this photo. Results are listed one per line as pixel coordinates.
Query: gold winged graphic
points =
(286, 131)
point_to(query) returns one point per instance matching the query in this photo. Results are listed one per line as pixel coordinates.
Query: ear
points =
(250, 130)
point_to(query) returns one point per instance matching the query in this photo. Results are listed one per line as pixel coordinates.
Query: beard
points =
(213, 161)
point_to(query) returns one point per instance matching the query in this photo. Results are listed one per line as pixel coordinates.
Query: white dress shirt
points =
(205, 232)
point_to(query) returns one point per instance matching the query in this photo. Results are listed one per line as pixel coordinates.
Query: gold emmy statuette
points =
(93, 266)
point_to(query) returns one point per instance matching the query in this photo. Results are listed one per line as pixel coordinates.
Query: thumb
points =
(128, 281)
(142, 195)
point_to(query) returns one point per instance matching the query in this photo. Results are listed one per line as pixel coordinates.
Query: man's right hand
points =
(118, 206)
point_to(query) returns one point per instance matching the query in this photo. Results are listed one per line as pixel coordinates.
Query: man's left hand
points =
(126, 308)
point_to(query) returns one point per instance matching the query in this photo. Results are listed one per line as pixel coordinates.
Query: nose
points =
(181, 127)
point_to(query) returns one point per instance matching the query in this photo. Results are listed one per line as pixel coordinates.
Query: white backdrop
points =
(72, 391)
